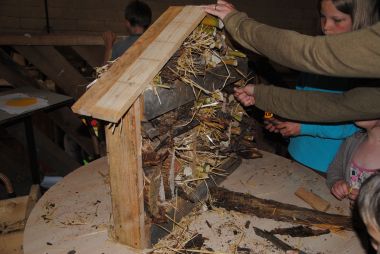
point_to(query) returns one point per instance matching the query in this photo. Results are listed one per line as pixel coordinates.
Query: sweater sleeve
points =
(340, 131)
(354, 54)
(336, 170)
(311, 106)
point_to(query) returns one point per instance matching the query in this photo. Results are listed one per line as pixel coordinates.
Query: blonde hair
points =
(362, 12)
(369, 201)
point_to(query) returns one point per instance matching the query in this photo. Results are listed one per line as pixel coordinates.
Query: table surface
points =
(75, 213)
(54, 101)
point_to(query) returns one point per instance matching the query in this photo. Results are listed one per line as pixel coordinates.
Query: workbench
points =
(75, 214)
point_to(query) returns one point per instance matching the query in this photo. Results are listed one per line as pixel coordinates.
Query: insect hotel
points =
(169, 126)
(173, 132)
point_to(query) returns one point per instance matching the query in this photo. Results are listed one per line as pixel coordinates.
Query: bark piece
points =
(271, 209)
(300, 231)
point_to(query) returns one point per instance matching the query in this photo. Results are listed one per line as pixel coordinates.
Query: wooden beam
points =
(49, 61)
(13, 73)
(70, 123)
(50, 40)
(126, 179)
(53, 156)
(113, 94)
(49, 154)
(264, 208)
(63, 117)
(93, 55)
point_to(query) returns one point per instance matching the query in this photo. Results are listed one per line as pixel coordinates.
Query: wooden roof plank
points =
(112, 102)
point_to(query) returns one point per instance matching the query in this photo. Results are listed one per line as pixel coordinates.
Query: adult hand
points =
(245, 95)
(109, 39)
(221, 9)
(288, 129)
(340, 189)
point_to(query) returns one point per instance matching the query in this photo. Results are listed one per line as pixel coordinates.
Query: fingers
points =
(246, 100)
(270, 127)
(221, 9)
(353, 194)
(340, 189)
(226, 3)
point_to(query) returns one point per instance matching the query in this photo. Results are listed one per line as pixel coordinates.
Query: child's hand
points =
(340, 189)
(353, 194)
(271, 124)
(288, 129)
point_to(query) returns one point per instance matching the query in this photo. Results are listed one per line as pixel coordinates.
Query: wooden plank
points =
(126, 179)
(70, 123)
(93, 55)
(13, 73)
(49, 154)
(312, 199)
(51, 40)
(129, 81)
(11, 243)
(13, 213)
(49, 61)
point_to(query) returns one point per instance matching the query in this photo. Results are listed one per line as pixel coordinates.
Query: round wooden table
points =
(75, 214)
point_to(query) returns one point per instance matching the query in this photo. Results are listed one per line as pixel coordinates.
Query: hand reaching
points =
(221, 9)
(340, 189)
(271, 124)
(245, 95)
(288, 129)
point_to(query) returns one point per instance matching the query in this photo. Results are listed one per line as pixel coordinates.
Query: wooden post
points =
(126, 178)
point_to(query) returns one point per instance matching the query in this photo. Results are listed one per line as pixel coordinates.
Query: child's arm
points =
(340, 131)
(337, 168)
(109, 39)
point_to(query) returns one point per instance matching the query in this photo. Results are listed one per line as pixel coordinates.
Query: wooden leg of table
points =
(32, 153)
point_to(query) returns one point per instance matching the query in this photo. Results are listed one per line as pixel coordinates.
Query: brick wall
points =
(96, 16)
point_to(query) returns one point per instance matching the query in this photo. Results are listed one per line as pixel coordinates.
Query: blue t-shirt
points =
(121, 46)
(317, 144)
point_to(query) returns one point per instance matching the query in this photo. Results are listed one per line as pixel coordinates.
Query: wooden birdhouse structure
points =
(121, 98)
